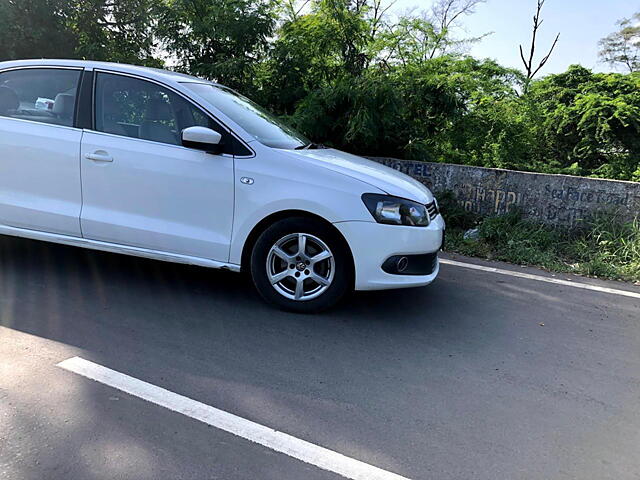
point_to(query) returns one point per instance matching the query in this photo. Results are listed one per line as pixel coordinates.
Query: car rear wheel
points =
(301, 265)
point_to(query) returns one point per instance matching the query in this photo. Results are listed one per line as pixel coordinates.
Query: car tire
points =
(301, 265)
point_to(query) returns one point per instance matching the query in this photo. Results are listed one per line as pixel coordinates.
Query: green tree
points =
(590, 123)
(413, 39)
(317, 46)
(446, 16)
(492, 128)
(410, 41)
(622, 48)
(350, 77)
(114, 30)
(440, 110)
(35, 29)
(223, 40)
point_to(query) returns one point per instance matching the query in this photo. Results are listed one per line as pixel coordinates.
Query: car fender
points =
(271, 183)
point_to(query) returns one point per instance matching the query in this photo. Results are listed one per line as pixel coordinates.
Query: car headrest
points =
(158, 109)
(63, 105)
(8, 100)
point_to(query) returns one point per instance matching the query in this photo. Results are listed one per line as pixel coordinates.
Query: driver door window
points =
(139, 109)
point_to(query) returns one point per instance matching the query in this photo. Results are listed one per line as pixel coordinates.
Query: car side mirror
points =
(202, 138)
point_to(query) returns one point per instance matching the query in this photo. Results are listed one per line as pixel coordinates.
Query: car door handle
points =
(99, 157)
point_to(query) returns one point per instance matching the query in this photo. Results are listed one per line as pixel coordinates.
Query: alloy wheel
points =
(300, 266)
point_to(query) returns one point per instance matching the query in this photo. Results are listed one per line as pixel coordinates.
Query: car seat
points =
(63, 107)
(9, 101)
(153, 127)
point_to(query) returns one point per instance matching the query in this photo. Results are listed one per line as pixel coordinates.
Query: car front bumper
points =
(373, 243)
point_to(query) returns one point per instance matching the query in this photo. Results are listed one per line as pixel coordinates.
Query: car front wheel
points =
(301, 265)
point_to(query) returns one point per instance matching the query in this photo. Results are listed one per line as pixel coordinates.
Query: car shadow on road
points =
(61, 277)
(95, 300)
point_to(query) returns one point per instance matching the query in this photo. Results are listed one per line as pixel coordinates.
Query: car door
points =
(39, 150)
(140, 186)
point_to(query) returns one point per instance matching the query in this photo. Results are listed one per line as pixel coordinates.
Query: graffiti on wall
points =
(553, 199)
(487, 201)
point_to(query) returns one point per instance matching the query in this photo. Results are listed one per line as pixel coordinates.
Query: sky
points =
(581, 24)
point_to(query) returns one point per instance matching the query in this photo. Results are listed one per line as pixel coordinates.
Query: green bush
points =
(466, 111)
(457, 217)
(604, 247)
(608, 248)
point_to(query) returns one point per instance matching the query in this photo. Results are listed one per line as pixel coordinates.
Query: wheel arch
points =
(269, 220)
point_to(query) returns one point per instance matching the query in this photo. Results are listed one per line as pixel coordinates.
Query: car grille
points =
(432, 209)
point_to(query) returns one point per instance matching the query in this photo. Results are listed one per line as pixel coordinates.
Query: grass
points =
(603, 248)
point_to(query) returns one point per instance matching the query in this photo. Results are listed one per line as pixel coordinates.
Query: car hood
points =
(385, 178)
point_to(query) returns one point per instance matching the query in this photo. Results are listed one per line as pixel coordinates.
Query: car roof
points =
(154, 73)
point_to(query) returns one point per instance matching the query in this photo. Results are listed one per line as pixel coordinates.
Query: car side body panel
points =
(157, 196)
(40, 176)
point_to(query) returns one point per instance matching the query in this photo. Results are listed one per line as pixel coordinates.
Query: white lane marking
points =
(539, 278)
(280, 442)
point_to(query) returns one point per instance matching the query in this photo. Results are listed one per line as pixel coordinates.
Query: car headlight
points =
(396, 211)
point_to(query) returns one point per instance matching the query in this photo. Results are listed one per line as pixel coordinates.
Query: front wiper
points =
(310, 146)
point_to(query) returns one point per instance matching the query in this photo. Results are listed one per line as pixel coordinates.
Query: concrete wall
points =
(560, 200)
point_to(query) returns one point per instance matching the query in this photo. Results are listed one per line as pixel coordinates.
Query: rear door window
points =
(45, 95)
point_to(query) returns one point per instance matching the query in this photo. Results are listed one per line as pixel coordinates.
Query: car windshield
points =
(258, 122)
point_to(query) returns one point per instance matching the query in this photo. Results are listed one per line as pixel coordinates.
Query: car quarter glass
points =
(39, 95)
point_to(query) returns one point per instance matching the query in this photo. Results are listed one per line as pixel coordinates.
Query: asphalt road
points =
(479, 376)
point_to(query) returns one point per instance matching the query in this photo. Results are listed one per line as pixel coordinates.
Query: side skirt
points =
(115, 248)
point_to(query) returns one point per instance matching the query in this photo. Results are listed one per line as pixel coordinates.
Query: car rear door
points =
(140, 186)
(39, 150)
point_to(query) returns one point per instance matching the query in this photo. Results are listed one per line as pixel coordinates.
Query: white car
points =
(168, 166)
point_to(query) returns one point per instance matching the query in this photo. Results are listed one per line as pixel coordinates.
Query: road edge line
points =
(529, 276)
(289, 445)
